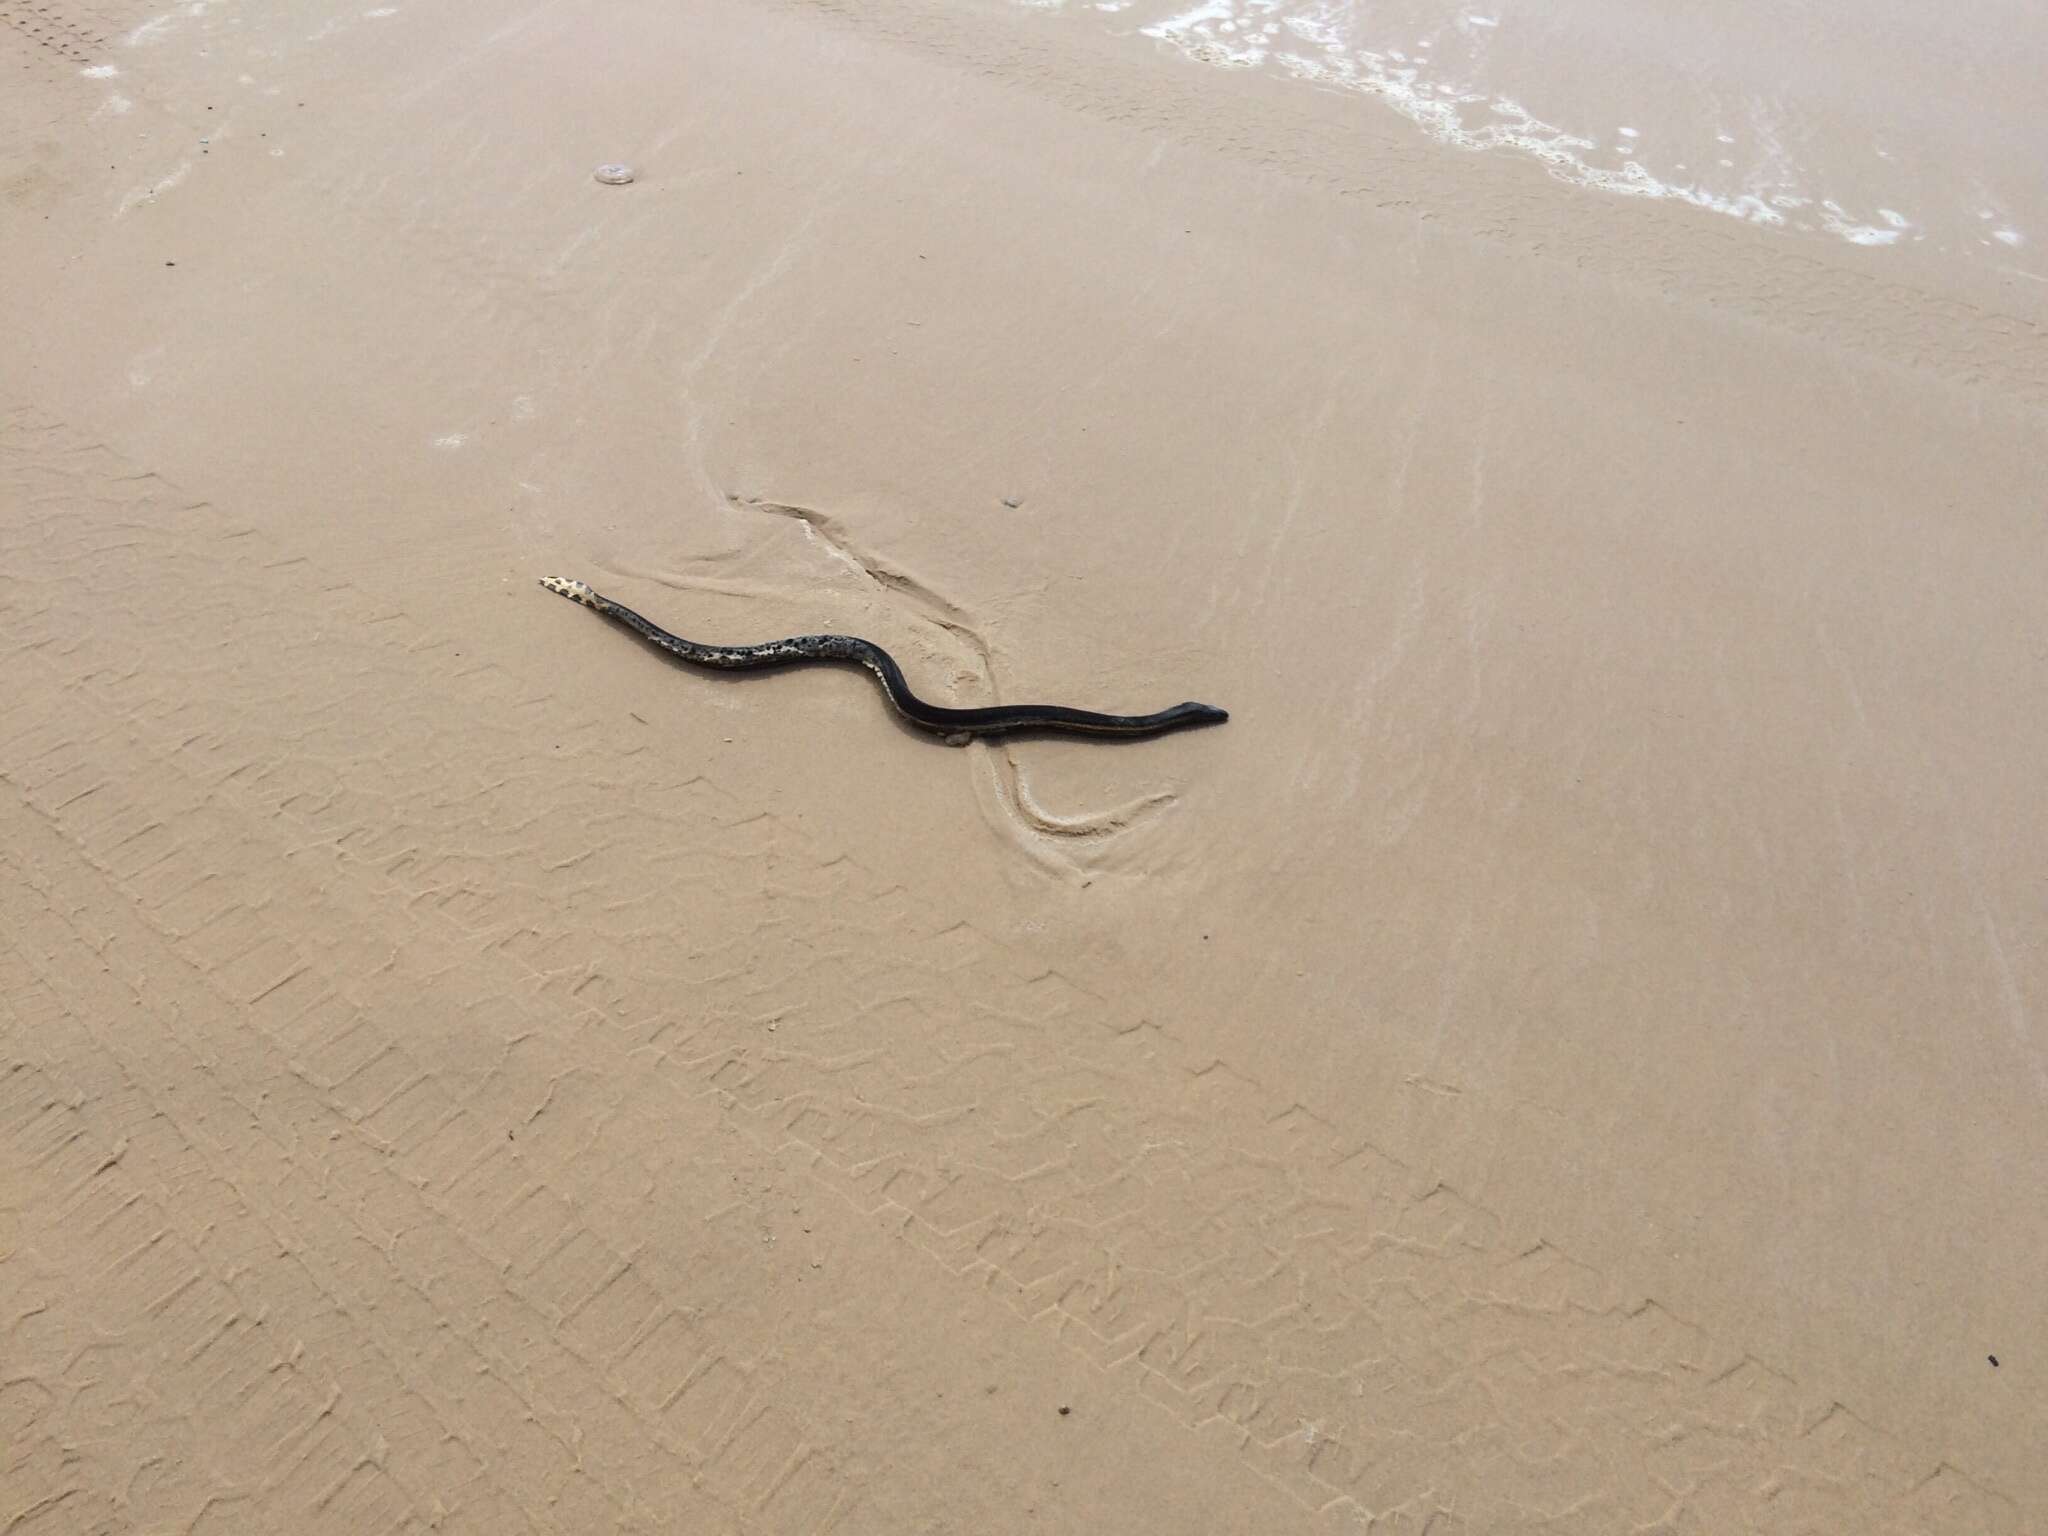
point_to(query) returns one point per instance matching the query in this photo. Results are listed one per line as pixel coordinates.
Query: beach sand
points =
(1568, 1054)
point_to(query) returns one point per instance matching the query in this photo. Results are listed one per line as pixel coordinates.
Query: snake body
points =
(954, 724)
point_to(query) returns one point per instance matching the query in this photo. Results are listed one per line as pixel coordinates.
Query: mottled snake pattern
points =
(956, 725)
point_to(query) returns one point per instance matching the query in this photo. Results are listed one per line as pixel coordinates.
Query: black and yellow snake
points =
(955, 724)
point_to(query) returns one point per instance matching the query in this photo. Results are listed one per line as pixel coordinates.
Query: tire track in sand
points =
(1390, 1355)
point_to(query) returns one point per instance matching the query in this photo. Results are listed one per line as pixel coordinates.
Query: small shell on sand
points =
(614, 175)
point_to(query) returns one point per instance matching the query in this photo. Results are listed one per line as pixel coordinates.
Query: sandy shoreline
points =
(1570, 1046)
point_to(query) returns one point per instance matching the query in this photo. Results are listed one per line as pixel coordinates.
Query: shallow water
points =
(1903, 127)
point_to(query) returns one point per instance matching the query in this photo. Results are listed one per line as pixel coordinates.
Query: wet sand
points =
(1568, 1050)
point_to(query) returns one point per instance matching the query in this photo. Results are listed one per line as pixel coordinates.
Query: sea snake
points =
(957, 725)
